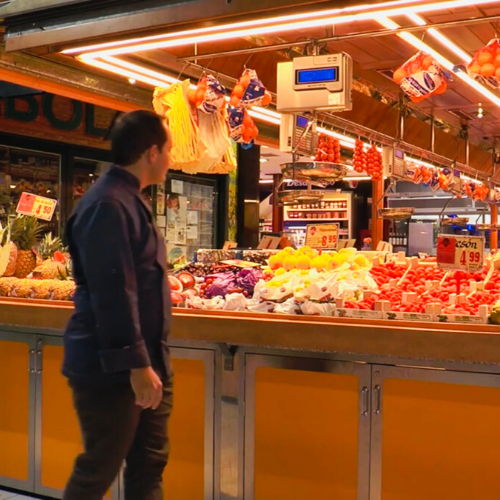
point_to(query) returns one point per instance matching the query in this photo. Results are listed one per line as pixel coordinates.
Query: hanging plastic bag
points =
(250, 91)
(242, 127)
(209, 96)
(485, 66)
(421, 77)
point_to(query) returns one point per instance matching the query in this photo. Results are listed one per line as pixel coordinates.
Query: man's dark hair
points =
(134, 133)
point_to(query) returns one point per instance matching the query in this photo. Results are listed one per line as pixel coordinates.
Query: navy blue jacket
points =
(122, 299)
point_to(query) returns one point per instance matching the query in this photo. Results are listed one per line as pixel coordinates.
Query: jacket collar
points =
(131, 182)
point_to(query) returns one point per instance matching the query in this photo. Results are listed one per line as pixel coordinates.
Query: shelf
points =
(315, 220)
(316, 209)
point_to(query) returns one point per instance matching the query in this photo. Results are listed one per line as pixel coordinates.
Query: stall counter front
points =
(278, 407)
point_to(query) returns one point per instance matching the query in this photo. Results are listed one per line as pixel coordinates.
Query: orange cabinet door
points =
(306, 427)
(17, 384)
(436, 435)
(58, 432)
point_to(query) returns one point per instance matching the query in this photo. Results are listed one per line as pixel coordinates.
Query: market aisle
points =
(8, 495)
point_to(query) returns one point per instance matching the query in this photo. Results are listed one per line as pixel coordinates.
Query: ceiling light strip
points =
(272, 25)
(464, 56)
(445, 63)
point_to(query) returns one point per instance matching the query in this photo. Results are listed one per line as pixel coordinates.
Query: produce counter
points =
(278, 407)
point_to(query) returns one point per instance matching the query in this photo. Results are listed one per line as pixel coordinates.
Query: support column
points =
(494, 233)
(248, 196)
(277, 211)
(377, 223)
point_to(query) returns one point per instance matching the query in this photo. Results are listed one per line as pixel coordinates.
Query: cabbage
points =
(248, 278)
(222, 282)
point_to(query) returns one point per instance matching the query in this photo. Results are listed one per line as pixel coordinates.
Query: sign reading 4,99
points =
(322, 236)
(460, 252)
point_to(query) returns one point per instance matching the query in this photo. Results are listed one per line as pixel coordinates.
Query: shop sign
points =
(36, 206)
(322, 236)
(464, 253)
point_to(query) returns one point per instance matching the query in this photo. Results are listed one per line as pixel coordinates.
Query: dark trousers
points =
(115, 431)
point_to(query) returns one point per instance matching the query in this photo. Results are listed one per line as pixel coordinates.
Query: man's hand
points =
(147, 387)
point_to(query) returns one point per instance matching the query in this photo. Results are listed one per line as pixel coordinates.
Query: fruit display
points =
(421, 77)
(344, 283)
(328, 149)
(486, 64)
(250, 91)
(31, 268)
(25, 234)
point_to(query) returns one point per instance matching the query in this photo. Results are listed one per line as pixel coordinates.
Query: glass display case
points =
(23, 170)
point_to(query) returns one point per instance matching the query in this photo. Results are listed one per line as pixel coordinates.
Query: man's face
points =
(160, 161)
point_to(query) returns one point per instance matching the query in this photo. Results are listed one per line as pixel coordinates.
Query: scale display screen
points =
(323, 75)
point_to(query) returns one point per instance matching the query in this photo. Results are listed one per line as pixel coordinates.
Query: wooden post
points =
(277, 211)
(494, 233)
(377, 222)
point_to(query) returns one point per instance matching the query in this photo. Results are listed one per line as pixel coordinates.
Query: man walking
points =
(116, 356)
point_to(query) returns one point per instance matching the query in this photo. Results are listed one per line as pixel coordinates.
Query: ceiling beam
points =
(16, 7)
(48, 76)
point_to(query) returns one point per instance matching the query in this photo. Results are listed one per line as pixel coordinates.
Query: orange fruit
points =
(487, 69)
(496, 62)
(399, 74)
(497, 73)
(484, 58)
(266, 100)
(442, 88)
(475, 69)
(427, 62)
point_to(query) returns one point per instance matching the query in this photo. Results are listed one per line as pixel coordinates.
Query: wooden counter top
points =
(437, 341)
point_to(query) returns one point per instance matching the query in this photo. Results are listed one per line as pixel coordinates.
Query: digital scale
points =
(393, 160)
(315, 83)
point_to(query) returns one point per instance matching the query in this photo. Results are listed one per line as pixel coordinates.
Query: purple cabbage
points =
(248, 278)
(222, 282)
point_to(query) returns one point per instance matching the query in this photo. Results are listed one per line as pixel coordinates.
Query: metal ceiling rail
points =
(340, 38)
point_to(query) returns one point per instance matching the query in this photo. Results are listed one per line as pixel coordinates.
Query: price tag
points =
(460, 252)
(322, 236)
(36, 206)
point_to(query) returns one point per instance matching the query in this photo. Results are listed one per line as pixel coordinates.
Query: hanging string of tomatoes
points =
(359, 157)
(328, 149)
(374, 163)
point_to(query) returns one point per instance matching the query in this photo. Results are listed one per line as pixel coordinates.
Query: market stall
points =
(317, 369)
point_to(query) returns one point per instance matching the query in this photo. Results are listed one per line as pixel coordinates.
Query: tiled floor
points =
(7, 495)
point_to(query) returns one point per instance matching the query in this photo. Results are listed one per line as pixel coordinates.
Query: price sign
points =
(322, 236)
(460, 252)
(36, 206)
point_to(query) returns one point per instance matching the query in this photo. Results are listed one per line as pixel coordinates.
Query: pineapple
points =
(63, 290)
(50, 270)
(6, 286)
(22, 289)
(48, 246)
(43, 289)
(8, 252)
(25, 234)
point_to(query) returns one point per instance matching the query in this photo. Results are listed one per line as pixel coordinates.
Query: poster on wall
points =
(175, 252)
(176, 219)
(160, 199)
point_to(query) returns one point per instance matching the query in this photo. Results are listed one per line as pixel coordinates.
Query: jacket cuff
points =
(125, 358)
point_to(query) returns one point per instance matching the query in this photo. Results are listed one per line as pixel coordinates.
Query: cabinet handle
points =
(377, 392)
(364, 401)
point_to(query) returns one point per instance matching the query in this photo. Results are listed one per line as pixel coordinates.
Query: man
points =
(116, 357)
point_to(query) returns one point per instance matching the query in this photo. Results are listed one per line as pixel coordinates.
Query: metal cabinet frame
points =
(30, 341)
(289, 361)
(382, 373)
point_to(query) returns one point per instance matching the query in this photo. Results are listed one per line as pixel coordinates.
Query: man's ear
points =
(153, 153)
